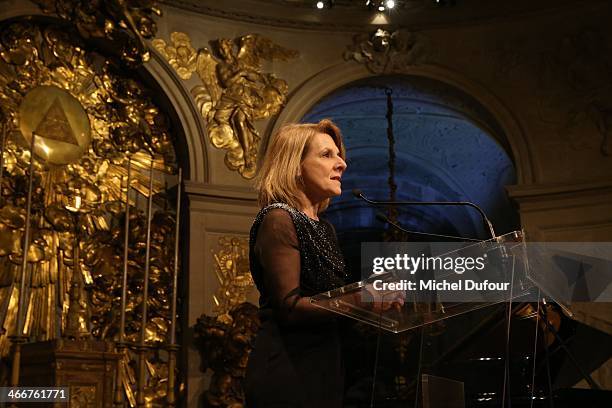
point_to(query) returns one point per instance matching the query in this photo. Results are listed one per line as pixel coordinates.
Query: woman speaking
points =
(296, 360)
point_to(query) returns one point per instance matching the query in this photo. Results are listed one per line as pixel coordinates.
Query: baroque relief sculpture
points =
(89, 119)
(225, 342)
(384, 53)
(235, 91)
(233, 274)
(121, 25)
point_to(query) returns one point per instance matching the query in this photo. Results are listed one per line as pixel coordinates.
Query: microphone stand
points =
(359, 194)
(382, 217)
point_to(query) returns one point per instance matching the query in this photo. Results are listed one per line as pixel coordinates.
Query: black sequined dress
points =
(296, 359)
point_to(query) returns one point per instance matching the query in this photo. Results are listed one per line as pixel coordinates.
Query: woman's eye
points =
(326, 154)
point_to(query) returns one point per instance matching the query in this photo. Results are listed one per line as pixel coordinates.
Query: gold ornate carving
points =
(89, 118)
(225, 339)
(122, 25)
(232, 271)
(235, 91)
(59, 121)
(179, 53)
(83, 396)
(54, 124)
(225, 342)
(384, 53)
(84, 366)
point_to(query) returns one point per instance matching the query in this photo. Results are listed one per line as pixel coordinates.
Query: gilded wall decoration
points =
(383, 52)
(120, 26)
(89, 118)
(179, 53)
(83, 396)
(232, 272)
(225, 342)
(235, 92)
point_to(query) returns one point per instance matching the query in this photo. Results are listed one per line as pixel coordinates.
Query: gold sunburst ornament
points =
(62, 131)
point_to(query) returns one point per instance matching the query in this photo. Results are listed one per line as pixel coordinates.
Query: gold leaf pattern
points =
(124, 122)
(233, 275)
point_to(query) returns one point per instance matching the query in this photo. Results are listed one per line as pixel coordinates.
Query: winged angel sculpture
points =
(235, 91)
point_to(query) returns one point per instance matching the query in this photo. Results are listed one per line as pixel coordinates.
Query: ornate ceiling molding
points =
(383, 52)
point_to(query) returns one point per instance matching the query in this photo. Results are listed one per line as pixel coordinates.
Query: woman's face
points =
(322, 168)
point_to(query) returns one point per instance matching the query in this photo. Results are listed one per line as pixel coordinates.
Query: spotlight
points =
(380, 5)
(321, 4)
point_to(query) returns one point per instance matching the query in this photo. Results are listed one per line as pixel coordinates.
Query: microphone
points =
(359, 194)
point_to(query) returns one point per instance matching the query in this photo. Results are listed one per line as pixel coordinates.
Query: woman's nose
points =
(341, 165)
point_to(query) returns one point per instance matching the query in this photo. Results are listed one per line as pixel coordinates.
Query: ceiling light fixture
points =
(321, 4)
(374, 5)
(380, 5)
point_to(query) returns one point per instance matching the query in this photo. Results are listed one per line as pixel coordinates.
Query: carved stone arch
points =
(187, 115)
(337, 76)
(20, 9)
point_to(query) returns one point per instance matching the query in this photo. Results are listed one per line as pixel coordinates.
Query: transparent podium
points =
(437, 293)
(500, 272)
(414, 285)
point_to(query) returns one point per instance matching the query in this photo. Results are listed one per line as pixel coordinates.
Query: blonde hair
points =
(279, 174)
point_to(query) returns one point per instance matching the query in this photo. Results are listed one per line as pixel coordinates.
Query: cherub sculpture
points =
(235, 91)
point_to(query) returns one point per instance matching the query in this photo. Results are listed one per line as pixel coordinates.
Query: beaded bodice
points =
(322, 264)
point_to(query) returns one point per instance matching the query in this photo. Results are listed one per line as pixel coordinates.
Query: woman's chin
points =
(332, 192)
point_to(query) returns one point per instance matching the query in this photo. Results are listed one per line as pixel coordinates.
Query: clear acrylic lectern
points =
(506, 270)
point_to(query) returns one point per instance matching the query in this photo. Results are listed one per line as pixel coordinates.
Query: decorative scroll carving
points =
(90, 118)
(232, 270)
(384, 53)
(122, 25)
(235, 91)
(179, 53)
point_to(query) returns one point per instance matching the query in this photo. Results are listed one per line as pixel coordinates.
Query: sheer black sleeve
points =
(278, 252)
